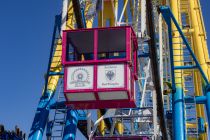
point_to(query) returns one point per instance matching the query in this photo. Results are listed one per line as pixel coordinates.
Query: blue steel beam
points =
(44, 106)
(178, 96)
(197, 99)
(185, 67)
(72, 115)
(41, 116)
(55, 73)
(70, 125)
(208, 105)
(42, 112)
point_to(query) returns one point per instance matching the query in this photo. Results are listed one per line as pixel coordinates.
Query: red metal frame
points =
(130, 36)
(100, 104)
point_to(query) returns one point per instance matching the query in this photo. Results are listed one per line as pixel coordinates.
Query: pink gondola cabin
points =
(100, 67)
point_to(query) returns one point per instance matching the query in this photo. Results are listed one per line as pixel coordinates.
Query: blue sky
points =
(25, 35)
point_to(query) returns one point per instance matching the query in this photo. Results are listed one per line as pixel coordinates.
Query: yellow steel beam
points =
(132, 3)
(56, 65)
(191, 125)
(89, 23)
(106, 15)
(199, 40)
(194, 20)
(125, 13)
(177, 46)
(120, 127)
(70, 20)
(201, 52)
(102, 125)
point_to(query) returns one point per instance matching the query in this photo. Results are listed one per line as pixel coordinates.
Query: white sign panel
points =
(111, 76)
(80, 77)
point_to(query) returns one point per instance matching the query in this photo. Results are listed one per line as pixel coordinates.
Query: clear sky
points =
(26, 28)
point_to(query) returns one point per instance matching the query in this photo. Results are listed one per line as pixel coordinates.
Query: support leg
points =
(40, 119)
(71, 125)
(178, 115)
(208, 106)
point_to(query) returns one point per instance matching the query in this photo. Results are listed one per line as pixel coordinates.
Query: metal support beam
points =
(184, 67)
(55, 73)
(168, 14)
(208, 105)
(78, 14)
(70, 125)
(40, 119)
(197, 99)
(155, 119)
(42, 112)
(155, 67)
(143, 18)
(178, 115)
(179, 128)
(178, 96)
(89, 122)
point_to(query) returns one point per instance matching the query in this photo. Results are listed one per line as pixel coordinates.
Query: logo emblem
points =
(80, 77)
(110, 75)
